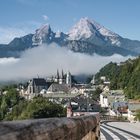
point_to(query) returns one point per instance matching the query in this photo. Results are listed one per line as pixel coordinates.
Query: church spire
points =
(62, 74)
(57, 76)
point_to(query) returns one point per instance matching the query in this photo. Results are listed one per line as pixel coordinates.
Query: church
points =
(60, 83)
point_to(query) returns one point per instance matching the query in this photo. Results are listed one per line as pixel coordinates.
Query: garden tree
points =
(12, 97)
(96, 94)
(8, 100)
(17, 110)
(39, 107)
(3, 108)
(0, 107)
(13, 107)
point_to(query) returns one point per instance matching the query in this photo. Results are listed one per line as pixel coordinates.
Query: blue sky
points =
(19, 17)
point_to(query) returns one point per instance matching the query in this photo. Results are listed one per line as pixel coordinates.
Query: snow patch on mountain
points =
(87, 28)
(82, 30)
(58, 34)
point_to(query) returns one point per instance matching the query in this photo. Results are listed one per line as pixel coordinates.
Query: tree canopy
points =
(124, 76)
(13, 107)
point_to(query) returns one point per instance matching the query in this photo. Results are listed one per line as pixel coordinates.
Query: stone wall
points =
(75, 128)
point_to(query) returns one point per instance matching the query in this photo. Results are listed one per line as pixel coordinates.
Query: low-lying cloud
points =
(43, 61)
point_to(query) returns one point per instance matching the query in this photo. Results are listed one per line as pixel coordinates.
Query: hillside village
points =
(117, 104)
(81, 99)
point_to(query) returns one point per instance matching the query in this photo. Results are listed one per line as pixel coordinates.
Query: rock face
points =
(16, 46)
(87, 36)
(43, 35)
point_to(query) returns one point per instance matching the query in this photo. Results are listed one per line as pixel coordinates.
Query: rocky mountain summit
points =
(86, 36)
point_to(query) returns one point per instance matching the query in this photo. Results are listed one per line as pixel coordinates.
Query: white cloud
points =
(8, 61)
(45, 60)
(45, 17)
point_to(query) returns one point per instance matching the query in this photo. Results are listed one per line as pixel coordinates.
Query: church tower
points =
(56, 79)
(57, 76)
(61, 78)
(68, 79)
(62, 74)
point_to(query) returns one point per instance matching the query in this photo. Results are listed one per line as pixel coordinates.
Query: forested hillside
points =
(125, 76)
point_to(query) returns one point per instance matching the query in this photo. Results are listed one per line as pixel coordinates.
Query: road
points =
(120, 131)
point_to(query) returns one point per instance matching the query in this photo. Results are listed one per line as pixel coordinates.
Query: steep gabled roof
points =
(39, 82)
(58, 88)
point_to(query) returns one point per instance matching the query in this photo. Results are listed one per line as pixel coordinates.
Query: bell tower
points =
(68, 79)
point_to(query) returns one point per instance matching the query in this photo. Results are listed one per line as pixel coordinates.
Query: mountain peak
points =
(43, 31)
(93, 31)
(88, 22)
(43, 35)
(81, 30)
(104, 31)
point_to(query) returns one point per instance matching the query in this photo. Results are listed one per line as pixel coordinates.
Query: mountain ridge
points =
(86, 36)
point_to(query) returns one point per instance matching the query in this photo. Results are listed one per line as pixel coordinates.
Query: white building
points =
(104, 100)
(107, 98)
